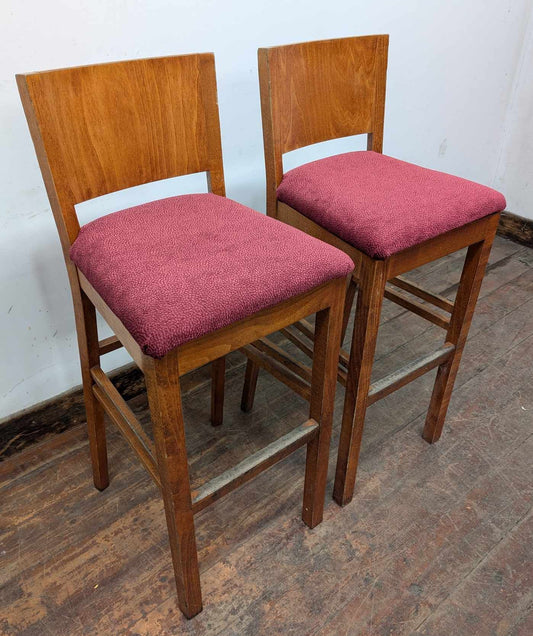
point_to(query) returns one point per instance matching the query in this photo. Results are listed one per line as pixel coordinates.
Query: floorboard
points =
(437, 541)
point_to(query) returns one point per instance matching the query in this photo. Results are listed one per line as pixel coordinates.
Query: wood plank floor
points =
(438, 540)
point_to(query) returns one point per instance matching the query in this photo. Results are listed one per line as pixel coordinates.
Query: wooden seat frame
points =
(317, 91)
(103, 128)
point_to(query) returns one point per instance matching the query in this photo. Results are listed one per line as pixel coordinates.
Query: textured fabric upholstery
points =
(381, 205)
(175, 269)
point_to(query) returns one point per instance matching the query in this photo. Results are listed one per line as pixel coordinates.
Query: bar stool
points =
(181, 281)
(388, 215)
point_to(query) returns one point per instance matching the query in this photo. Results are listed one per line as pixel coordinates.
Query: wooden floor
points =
(437, 541)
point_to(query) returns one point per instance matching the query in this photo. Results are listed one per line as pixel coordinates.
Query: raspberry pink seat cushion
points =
(175, 269)
(381, 205)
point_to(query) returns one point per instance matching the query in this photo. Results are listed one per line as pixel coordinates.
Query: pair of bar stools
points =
(185, 280)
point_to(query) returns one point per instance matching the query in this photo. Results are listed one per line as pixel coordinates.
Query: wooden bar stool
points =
(181, 281)
(388, 215)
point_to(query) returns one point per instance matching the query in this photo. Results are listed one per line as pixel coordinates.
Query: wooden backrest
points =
(102, 128)
(316, 91)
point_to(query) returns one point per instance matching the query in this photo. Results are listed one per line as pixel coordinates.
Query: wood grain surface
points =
(437, 540)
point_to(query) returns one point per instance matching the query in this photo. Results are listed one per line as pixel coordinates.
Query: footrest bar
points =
(277, 353)
(308, 330)
(109, 344)
(253, 465)
(409, 372)
(424, 311)
(124, 418)
(424, 294)
(291, 333)
(279, 370)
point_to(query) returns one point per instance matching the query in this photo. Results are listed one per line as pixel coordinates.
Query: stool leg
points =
(328, 327)
(89, 357)
(164, 396)
(218, 377)
(250, 384)
(348, 304)
(367, 315)
(252, 369)
(465, 303)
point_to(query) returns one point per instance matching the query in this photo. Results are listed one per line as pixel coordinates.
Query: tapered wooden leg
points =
(465, 303)
(348, 304)
(367, 315)
(162, 383)
(89, 356)
(328, 327)
(250, 384)
(218, 376)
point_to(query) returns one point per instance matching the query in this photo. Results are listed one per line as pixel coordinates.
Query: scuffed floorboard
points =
(438, 540)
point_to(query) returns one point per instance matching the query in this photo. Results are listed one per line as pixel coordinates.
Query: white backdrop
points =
(515, 169)
(455, 102)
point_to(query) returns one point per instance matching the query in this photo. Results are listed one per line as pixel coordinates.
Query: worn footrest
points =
(121, 414)
(253, 465)
(109, 344)
(297, 376)
(416, 307)
(416, 290)
(397, 379)
(279, 364)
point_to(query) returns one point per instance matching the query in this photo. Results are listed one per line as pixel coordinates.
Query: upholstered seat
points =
(381, 205)
(175, 269)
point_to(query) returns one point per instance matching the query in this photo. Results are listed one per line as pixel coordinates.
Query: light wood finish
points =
(291, 333)
(417, 308)
(82, 119)
(279, 357)
(278, 353)
(89, 349)
(424, 294)
(333, 88)
(463, 311)
(99, 129)
(217, 391)
(309, 331)
(445, 531)
(125, 420)
(285, 213)
(253, 465)
(365, 333)
(348, 303)
(109, 344)
(317, 91)
(113, 321)
(319, 392)
(250, 385)
(323, 383)
(411, 371)
(442, 245)
(164, 397)
(278, 370)
(268, 355)
(218, 343)
(306, 328)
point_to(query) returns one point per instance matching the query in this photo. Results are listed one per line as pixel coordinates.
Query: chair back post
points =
(103, 128)
(317, 91)
(375, 137)
(271, 143)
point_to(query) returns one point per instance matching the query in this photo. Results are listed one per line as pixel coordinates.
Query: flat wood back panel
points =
(103, 128)
(326, 89)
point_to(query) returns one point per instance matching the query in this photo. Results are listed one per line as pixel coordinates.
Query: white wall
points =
(515, 169)
(450, 78)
